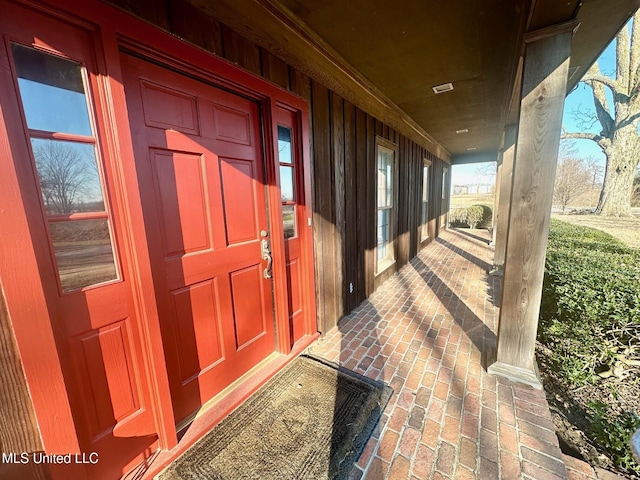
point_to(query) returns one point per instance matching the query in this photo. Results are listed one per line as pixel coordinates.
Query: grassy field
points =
(472, 199)
(626, 230)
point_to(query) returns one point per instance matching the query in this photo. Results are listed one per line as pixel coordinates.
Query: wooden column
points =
(504, 199)
(543, 90)
(496, 198)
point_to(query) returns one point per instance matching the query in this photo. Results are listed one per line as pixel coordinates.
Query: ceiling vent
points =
(445, 87)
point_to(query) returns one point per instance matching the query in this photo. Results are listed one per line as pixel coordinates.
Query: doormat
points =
(311, 421)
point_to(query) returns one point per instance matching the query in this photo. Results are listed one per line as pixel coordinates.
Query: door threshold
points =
(211, 404)
(215, 410)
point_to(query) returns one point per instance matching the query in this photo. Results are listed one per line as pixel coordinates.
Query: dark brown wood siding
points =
(343, 140)
(18, 426)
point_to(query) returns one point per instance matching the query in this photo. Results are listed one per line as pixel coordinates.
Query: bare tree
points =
(572, 180)
(66, 178)
(487, 169)
(595, 170)
(568, 148)
(618, 137)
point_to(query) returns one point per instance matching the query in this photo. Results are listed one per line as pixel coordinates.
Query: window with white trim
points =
(444, 184)
(385, 255)
(424, 221)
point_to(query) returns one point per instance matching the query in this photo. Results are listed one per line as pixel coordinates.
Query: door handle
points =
(265, 251)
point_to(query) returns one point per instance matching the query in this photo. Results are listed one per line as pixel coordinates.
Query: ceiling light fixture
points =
(445, 87)
(471, 149)
(464, 130)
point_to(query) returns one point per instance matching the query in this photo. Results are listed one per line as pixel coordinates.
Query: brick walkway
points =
(425, 332)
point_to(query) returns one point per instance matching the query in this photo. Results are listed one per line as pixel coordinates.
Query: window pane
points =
(289, 220)
(287, 184)
(83, 252)
(69, 178)
(444, 184)
(383, 234)
(425, 184)
(385, 177)
(52, 92)
(284, 145)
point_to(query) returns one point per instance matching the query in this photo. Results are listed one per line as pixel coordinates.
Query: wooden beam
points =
(504, 199)
(542, 100)
(475, 157)
(551, 31)
(271, 25)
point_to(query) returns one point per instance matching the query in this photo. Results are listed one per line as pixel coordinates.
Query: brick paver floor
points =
(426, 332)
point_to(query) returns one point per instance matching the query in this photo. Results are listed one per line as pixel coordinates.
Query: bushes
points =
(590, 311)
(590, 319)
(613, 432)
(475, 216)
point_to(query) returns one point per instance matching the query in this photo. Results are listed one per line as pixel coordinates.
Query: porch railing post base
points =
(497, 271)
(516, 374)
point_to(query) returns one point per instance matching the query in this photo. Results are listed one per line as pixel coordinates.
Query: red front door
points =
(198, 154)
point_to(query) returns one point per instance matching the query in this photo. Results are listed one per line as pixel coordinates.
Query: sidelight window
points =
(287, 181)
(64, 148)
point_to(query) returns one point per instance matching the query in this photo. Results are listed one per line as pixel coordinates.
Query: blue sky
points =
(580, 98)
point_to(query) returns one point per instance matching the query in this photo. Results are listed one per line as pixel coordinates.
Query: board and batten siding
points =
(18, 426)
(343, 146)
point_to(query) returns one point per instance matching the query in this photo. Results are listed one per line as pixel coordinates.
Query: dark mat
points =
(311, 421)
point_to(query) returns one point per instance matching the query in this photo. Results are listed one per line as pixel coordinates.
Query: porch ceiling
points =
(404, 48)
(407, 47)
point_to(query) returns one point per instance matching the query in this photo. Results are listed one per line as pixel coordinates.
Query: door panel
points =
(199, 159)
(240, 202)
(181, 198)
(198, 301)
(114, 393)
(248, 310)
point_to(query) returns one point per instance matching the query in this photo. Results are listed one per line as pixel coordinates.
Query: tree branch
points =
(603, 143)
(622, 60)
(635, 53)
(605, 116)
(581, 136)
(602, 110)
(598, 77)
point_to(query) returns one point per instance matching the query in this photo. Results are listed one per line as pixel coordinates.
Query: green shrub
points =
(614, 433)
(590, 319)
(474, 216)
(487, 216)
(590, 308)
(458, 217)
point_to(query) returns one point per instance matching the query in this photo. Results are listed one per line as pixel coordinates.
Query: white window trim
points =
(445, 170)
(424, 225)
(383, 264)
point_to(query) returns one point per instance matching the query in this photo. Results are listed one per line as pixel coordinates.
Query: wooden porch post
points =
(504, 199)
(496, 199)
(546, 66)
